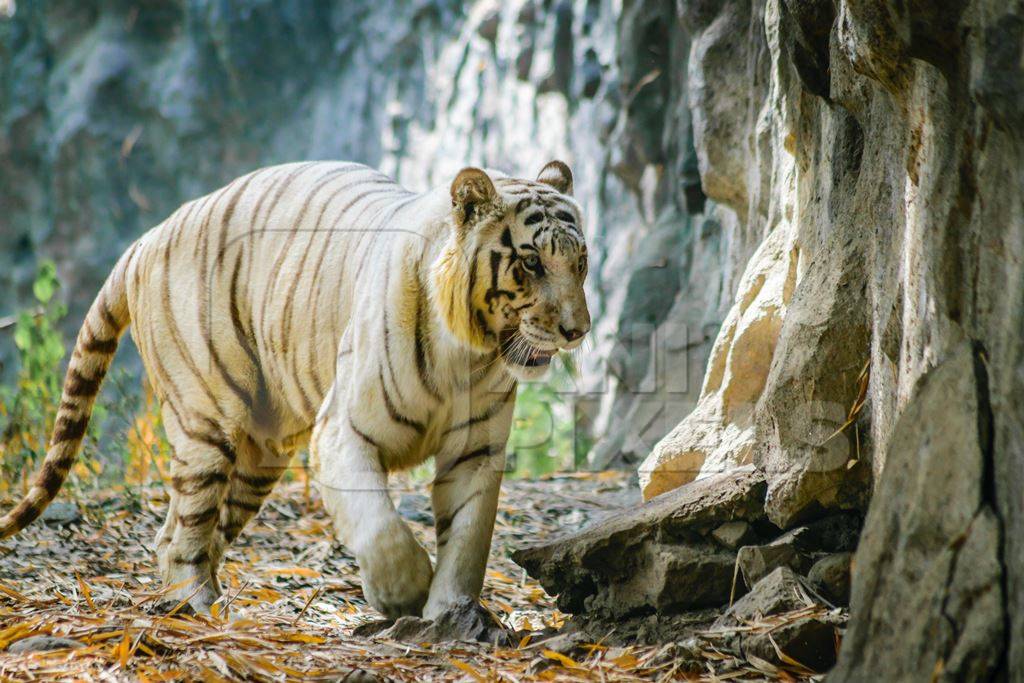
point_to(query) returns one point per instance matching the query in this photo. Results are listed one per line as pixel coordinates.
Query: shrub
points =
(27, 409)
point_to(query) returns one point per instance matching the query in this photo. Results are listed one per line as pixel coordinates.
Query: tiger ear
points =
(557, 175)
(472, 190)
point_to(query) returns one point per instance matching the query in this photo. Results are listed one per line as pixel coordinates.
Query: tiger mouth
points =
(516, 350)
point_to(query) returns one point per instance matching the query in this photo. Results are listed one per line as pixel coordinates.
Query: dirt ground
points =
(87, 574)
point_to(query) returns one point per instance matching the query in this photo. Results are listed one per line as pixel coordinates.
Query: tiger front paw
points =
(396, 571)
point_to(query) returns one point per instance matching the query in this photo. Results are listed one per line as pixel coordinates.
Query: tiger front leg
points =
(465, 498)
(394, 567)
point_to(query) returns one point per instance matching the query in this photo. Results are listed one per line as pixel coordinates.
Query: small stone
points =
(780, 591)
(757, 561)
(416, 508)
(61, 513)
(467, 621)
(44, 644)
(734, 534)
(831, 575)
(809, 641)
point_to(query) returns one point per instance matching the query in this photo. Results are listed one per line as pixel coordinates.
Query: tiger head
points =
(510, 278)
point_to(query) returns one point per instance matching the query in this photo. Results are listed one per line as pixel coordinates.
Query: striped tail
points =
(94, 350)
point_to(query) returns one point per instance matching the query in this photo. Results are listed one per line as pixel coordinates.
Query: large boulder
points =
(719, 433)
(889, 152)
(806, 441)
(660, 556)
(928, 572)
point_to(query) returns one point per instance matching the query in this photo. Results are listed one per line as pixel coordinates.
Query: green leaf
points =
(43, 289)
(23, 337)
(53, 348)
(46, 282)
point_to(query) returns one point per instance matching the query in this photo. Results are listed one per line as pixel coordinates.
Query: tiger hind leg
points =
(256, 471)
(202, 464)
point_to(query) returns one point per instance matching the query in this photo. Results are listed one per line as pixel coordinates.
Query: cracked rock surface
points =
(930, 563)
(873, 352)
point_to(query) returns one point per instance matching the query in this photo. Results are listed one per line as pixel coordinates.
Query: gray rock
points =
(61, 513)
(812, 383)
(780, 591)
(653, 557)
(864, 126)
(43, 644)
(808, 640)
(669, 578)
(734, 534)
(799, 548)
(928, 570)
(831, 576)
(416, 507)
(757, 561)
(723, 91)
(886, 192)
(467, 621)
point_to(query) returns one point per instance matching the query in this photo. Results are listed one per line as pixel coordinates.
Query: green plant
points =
(28, 408)
(544, 438)
(124, 438)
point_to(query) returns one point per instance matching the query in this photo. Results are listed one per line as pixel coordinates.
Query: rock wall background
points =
(113, 112)
(817, 200)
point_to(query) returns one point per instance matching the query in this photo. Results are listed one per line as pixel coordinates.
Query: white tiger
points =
(324, 299)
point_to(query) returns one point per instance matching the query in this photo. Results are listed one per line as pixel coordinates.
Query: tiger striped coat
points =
(322, 302)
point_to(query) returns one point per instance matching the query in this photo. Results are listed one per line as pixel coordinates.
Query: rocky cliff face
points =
(113, 113)
(874, 341)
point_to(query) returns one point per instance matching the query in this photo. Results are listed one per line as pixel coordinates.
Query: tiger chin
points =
(323, 304)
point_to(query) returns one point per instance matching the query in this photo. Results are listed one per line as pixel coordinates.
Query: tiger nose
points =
(573, 334)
